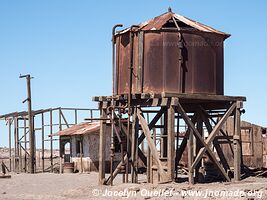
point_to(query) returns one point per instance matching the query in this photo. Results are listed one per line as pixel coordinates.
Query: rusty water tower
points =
(169, 53)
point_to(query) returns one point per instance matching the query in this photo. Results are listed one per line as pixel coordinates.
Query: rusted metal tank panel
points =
(164, 62)
(123, 63)
(153, 63)
(135, 76)
(156, 67)
(171, 68)
(204, 64)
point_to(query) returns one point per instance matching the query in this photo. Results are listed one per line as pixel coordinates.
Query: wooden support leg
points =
(51, 140)
(164, 140)
(190, 158)
(16, 144)
(102, 145)
(25, 145)
(171, 143)
(43, 142)
(148, 169)
(198, 144)
(237, 143)
(135, 127)
(9, 140)
(177, 145)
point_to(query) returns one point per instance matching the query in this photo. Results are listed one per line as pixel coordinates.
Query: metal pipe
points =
(112, 148)
(113, 56)
(129, 99)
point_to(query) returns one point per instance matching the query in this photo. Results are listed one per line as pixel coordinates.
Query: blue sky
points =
(65, 45)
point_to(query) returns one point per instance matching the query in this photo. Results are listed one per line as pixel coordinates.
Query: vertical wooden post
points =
(51, 140)
(161, 135)
(155, 143)
(31, 126)
(60, 164)
(198, 144)
(16, 144)
(25, 144)
(177, 145)
(102, 147)
(39, 158)
(75, 117)
(59, 141)
(20, 154)
(190, 158)
(165, 136)
(237, 142)
(135, 127)
(91, 114)
(13, 163)
(42, 141)
(148, 168)
(9, 143)
(59, 119)
(81, 154)
(171, 142)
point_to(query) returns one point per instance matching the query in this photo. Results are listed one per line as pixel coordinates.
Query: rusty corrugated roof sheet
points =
(158, 22)
(80, 129)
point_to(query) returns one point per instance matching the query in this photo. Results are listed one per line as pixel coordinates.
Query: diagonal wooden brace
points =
(214, 132)
(217, 146)
(116, 171)
(199, 137)
(152, 146)
(152, 123)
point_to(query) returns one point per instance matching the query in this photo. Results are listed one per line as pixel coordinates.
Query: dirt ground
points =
(84, 186)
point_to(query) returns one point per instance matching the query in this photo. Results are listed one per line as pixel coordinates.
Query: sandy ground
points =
(84, 186)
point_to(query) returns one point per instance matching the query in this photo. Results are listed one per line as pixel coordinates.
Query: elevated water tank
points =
(170, 53)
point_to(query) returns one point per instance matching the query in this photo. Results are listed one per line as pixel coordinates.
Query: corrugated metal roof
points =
(80, 129)
(158, 22)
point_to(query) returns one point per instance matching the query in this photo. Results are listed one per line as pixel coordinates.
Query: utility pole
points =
(30, 120)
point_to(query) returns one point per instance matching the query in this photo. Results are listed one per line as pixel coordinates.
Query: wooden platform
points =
(196, 110)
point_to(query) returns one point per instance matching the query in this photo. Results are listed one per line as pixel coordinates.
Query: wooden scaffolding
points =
(45, 123)
(203, 117)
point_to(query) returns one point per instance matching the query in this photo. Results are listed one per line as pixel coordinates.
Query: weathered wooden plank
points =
(102, 145)
(190, 157)
(152, 146)
(134, 143)
(171, 142)
(152, 123)
(237, 143)
(203, 97)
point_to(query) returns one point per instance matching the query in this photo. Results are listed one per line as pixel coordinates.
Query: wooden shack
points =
(79, 144)
(254, 142)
